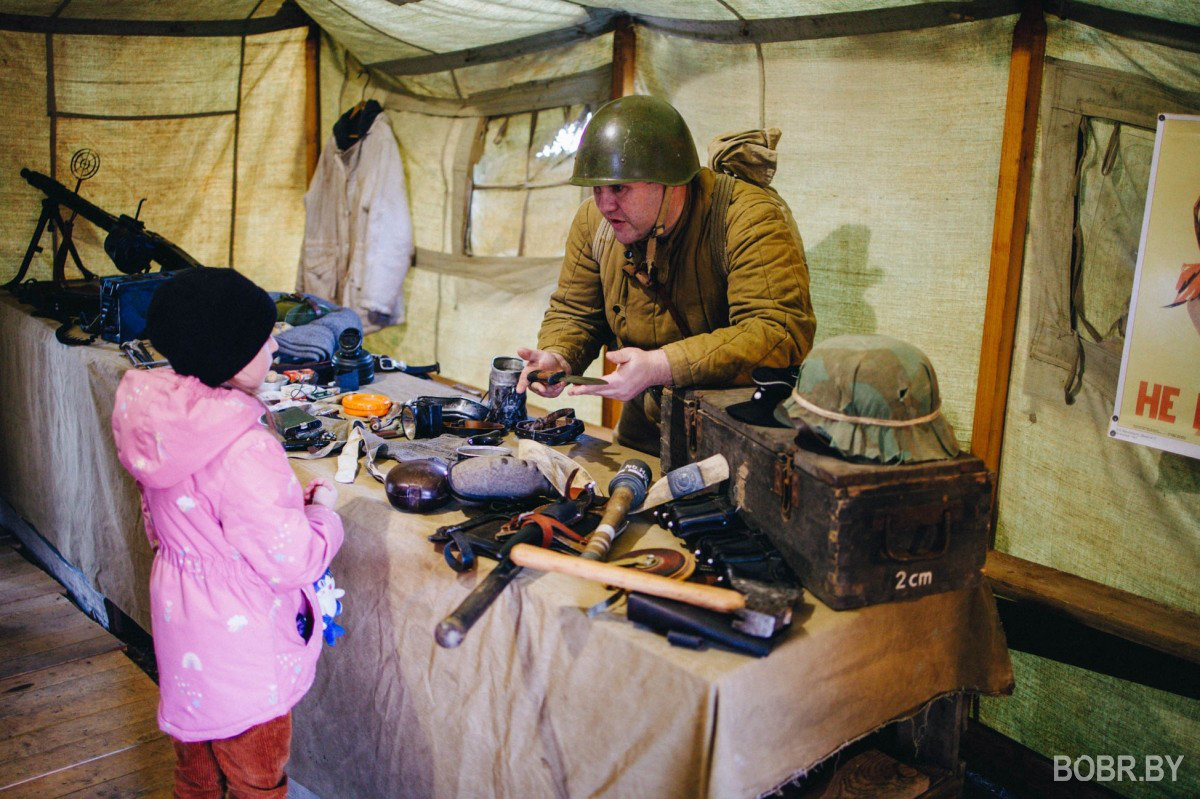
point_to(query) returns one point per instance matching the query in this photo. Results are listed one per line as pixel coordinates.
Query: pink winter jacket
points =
(236, 553)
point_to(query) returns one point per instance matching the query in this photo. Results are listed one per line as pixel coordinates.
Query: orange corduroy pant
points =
(246, 765)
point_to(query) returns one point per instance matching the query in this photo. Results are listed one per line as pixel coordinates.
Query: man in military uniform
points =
(691, 278)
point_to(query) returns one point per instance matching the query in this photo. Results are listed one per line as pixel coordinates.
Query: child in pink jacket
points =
(238, 543)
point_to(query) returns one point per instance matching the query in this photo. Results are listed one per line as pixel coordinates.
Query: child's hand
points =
(320, 492)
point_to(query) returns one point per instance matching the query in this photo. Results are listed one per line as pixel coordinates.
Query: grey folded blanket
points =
(317, 340)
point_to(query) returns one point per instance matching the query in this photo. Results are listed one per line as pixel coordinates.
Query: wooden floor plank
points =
(27, 586)
(77, 717)
(45, 631)
(85, 778)
(154, 782)
(85, 723)
(13, 565)
(10, 558)
(76, 740)
(79, 647)
(24, 608)
(21, 579)
(12, 688)
(104, 692)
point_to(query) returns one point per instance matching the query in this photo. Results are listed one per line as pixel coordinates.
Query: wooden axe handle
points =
(722, 600)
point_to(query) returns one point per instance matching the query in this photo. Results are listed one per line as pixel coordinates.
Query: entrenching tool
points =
(628, 494)
(761, 610)
(451, 630)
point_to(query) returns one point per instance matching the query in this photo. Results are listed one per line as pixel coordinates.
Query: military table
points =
(540, 699)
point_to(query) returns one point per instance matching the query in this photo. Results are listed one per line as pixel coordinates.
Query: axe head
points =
(768, 607)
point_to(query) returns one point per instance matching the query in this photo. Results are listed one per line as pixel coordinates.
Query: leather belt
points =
(470, 427)
(560, 427)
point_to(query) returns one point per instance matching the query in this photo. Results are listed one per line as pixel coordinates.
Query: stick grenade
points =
(761, 610)
(686, 480)
(626, 491)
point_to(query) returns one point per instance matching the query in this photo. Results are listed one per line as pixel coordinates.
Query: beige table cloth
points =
(539, 700)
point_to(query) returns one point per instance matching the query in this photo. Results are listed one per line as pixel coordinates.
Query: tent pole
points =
(312, 101)
(1008, 233)
(623, 62)
(624, 51)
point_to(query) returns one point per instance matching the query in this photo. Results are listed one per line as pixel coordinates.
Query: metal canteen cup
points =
(506, 405)
(418, 486)
(421, 419)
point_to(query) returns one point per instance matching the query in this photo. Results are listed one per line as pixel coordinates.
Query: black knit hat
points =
(209, 322)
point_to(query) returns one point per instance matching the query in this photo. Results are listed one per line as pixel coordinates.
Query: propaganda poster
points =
(1158, 394)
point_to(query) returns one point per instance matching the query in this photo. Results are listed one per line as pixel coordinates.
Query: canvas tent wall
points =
(893, 120)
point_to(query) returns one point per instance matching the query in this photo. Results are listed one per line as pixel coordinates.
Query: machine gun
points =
(129, 244)
(113, 307)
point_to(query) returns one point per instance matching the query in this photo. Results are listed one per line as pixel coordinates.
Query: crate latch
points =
(691, 422)
(785, 472)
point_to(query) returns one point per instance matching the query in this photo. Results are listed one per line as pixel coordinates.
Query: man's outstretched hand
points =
(637, 370)
(535, 361)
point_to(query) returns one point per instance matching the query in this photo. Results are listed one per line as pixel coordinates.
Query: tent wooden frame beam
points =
(1008, 233)
(288, 16)
(1099, 607)
(312, 101)
(624, 63)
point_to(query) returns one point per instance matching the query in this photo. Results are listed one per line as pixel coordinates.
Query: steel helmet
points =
(636, 138)
(872, 398)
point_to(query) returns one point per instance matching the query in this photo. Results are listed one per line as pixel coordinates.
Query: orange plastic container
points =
(366, 405)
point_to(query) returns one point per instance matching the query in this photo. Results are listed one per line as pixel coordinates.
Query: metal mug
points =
(421, 419)
(505, 405)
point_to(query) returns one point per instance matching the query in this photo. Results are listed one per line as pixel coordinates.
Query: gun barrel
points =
(64, 196)
(123, 230)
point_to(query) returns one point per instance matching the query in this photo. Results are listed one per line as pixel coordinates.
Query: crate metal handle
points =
(946, 527)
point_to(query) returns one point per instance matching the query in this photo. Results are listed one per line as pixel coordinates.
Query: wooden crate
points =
(855, 534)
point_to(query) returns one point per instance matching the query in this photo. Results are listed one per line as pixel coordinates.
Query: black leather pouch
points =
(667, 616)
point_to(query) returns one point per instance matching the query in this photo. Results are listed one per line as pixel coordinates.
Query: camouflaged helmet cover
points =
(634, 139)
(875, 377)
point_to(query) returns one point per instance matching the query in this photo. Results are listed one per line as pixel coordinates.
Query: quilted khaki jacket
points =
(759, 314)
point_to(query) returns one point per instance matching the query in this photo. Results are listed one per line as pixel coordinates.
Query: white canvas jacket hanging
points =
(358, 234)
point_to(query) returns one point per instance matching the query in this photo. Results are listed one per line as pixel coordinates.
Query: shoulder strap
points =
(717, 211)
(601, 239)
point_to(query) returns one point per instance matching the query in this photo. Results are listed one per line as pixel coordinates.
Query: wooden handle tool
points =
(722, 600)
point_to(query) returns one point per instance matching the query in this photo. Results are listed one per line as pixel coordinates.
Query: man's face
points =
(630, 208)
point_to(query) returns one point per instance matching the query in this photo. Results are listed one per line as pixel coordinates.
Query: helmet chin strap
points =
(658, 230)
(646, 278)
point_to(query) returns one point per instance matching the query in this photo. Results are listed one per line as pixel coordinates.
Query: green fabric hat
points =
(636, 138)
(873, 398)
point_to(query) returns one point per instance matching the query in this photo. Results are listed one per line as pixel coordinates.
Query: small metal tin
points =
(474, 451)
